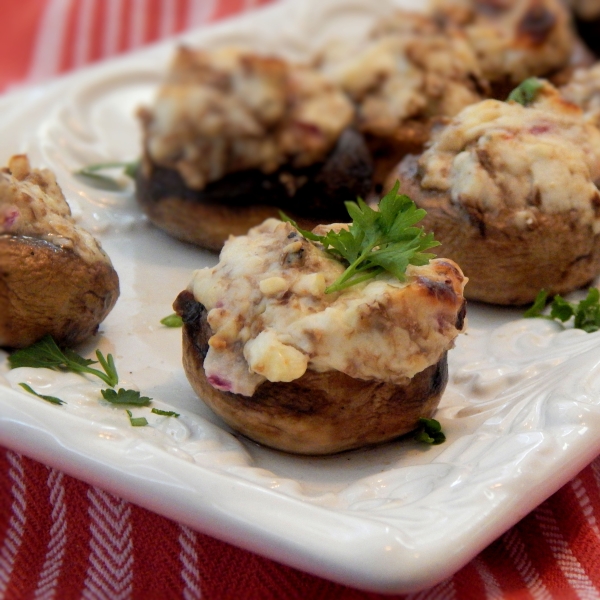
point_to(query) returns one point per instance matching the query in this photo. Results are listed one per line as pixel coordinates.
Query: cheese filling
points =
(513, 39)
(225, 111)
(32, 205)
(411, 67)
(496, 156)
(271, 319)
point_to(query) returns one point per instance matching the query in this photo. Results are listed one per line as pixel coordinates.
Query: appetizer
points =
(325, 344)
(54, 277)
(412, 68)
(233, 137)
(510, 191)
(513, 39)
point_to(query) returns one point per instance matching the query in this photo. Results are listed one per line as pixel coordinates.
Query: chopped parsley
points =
(585, 314)
(430, 432)
(173, 320)
(165, 413)
(377, 240)
(51, 399)
(128, 397)
(47, 354)
(137, 421)
(92, 175)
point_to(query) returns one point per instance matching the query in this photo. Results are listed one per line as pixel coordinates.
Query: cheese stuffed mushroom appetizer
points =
(411, 69)
(233, 137)
(513, 39)
(298, 362)
(54, 277)
(511, 192)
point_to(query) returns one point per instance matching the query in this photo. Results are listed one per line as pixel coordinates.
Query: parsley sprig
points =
(585, 314)
(377, 240)
(47, 354)
(526, 92)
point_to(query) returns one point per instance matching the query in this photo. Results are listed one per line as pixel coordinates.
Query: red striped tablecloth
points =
(61, 538)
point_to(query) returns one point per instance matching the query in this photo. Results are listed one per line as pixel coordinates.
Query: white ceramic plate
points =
(521, 411)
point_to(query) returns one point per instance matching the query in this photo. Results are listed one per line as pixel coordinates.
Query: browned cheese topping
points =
(224, 111)
(411, 67)
(272, 320)
(32, 205)
(513, 39)
(501, 156)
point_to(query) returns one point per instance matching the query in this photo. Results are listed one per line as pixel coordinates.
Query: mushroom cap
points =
(46, 289)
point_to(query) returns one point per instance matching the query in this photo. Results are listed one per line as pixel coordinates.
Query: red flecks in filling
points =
(219, 383)
(10, 218)
(539, 129)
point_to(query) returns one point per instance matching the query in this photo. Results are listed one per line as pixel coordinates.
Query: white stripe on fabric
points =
(442, 591)
(53, 563)
(166, 25)
(110, 572)
(189, 564)
(586, 506)
(112, 27)
(531, 578)
(137, 23)
(83, 32)
(493, 591)
(16, 522)
(199, 13)
(564, 557)
(49, 41)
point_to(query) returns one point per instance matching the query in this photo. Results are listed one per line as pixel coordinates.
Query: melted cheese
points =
(271, 319)
(225, 111)
(32, 205)
(497, 156)
(410, 68)
(513, 39)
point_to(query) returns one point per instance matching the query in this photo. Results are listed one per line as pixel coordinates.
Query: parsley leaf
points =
(526, 92)
(538, 306)
(586, 314)
(128, 397)
(52, 399)
(377, 240)
(430, 432)
(93, 177)
(173, 320)
(137, 421)
(47, 354)
(165, 413)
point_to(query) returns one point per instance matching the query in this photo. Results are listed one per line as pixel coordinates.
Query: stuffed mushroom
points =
(511, 193)
(411, 69)
(54, 277)
(310, 372)
(513, 39)
(234, 137)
